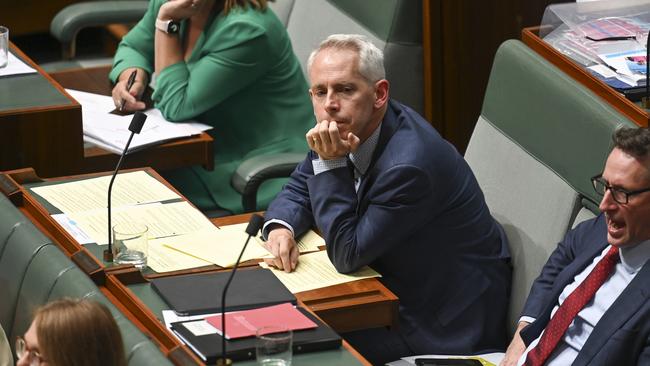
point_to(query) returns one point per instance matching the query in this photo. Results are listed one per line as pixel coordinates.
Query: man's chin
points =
(617, 241)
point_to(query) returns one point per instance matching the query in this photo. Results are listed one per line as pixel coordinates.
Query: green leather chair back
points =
(550, 115)
(540, 137)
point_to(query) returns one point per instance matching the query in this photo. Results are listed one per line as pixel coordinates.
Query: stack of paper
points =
(314, 271)
(111, 131)
(137, 197)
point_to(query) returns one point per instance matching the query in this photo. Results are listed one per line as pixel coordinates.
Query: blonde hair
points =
(228, 5)
(78, 332)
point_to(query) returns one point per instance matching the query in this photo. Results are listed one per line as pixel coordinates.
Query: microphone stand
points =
(254, 225)
(135, 127)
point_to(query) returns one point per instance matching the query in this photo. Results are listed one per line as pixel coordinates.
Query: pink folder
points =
(245, 323)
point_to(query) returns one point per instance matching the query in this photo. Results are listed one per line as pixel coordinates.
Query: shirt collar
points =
(634, 257)
(362, 157)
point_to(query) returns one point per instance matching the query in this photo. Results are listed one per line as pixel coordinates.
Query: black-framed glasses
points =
(619, 195)
(33, 357)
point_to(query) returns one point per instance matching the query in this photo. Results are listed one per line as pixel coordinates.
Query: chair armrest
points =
(70, 20)
(252, 172)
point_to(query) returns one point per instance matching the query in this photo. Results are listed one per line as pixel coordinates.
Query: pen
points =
(129, 84)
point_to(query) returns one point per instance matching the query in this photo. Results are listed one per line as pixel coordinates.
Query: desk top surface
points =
(27, 91)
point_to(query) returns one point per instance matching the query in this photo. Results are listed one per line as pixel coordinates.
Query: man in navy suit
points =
(613, 327)
(387, 191)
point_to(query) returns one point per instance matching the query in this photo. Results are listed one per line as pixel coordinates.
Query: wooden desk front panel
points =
(40, 124)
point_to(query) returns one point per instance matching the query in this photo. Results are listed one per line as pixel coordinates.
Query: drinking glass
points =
(130, 244)
(273, 346)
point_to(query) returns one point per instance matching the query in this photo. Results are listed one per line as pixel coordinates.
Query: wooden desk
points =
(346, 307)
(530, 36)
(40, 124)
(40, 127)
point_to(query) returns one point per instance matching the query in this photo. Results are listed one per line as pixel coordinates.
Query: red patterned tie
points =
(564, 315)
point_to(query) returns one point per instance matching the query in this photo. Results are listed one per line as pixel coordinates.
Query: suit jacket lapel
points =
(389, 126)
(563, 279)
(632, 298)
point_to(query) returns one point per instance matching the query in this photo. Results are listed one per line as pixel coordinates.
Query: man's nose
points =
(331, 103)
(607, 203)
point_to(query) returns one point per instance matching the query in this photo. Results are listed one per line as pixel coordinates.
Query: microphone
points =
(254, 225)
(135, 127)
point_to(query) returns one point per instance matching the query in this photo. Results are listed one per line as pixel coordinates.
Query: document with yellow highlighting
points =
(165, 259)
(90, 194)
(162, 220)
(307, 242)
(314, 271)
(220, 246)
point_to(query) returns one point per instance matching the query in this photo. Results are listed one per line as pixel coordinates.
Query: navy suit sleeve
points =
(398, 204)
(292, 204)
(644, 358)
(571, 246)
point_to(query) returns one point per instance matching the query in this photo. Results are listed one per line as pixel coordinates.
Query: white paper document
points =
(162, 220)
(16, 66)
(111, 131)
(314, 271)
(90, 194)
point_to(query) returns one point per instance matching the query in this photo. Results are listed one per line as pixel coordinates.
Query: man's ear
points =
(381, 93)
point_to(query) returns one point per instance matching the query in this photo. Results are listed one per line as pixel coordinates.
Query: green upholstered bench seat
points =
(34, 271)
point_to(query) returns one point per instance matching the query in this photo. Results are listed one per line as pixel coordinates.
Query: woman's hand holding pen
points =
(127, 97)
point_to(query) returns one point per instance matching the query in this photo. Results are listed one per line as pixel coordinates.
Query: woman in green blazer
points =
(226, 63)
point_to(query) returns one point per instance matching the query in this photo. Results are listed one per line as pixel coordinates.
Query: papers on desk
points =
(314, 271)
(163, 220)
(486, 359)
(90, 194)
(137, 196)
(16, 66)
(220, 246)
(111, 131)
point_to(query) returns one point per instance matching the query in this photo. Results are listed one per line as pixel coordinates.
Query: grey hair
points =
(371, 58)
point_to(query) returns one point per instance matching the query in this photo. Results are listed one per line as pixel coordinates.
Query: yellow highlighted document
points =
(314, 271)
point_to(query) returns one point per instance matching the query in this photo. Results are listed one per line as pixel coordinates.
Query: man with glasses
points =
(590, 305)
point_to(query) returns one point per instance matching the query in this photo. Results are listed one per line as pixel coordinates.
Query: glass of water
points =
(273, 346)
(130, 244)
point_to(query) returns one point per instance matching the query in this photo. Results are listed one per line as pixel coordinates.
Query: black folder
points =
(201, 293)
(208, 347)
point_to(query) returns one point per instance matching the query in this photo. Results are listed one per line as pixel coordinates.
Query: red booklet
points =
(243, 324)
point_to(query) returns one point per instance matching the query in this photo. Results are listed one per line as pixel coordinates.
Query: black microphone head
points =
(137, 122)
(254, 224)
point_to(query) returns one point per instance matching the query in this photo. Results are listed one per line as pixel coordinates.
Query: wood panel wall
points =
(461, 38)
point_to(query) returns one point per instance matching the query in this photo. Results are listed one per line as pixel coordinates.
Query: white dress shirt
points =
(632, 260)
(360, 158)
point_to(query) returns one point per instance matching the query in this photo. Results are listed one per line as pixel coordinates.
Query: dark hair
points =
(78, 332)
(633, 141)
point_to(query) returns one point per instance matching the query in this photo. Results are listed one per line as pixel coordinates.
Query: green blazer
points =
(243, 79)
